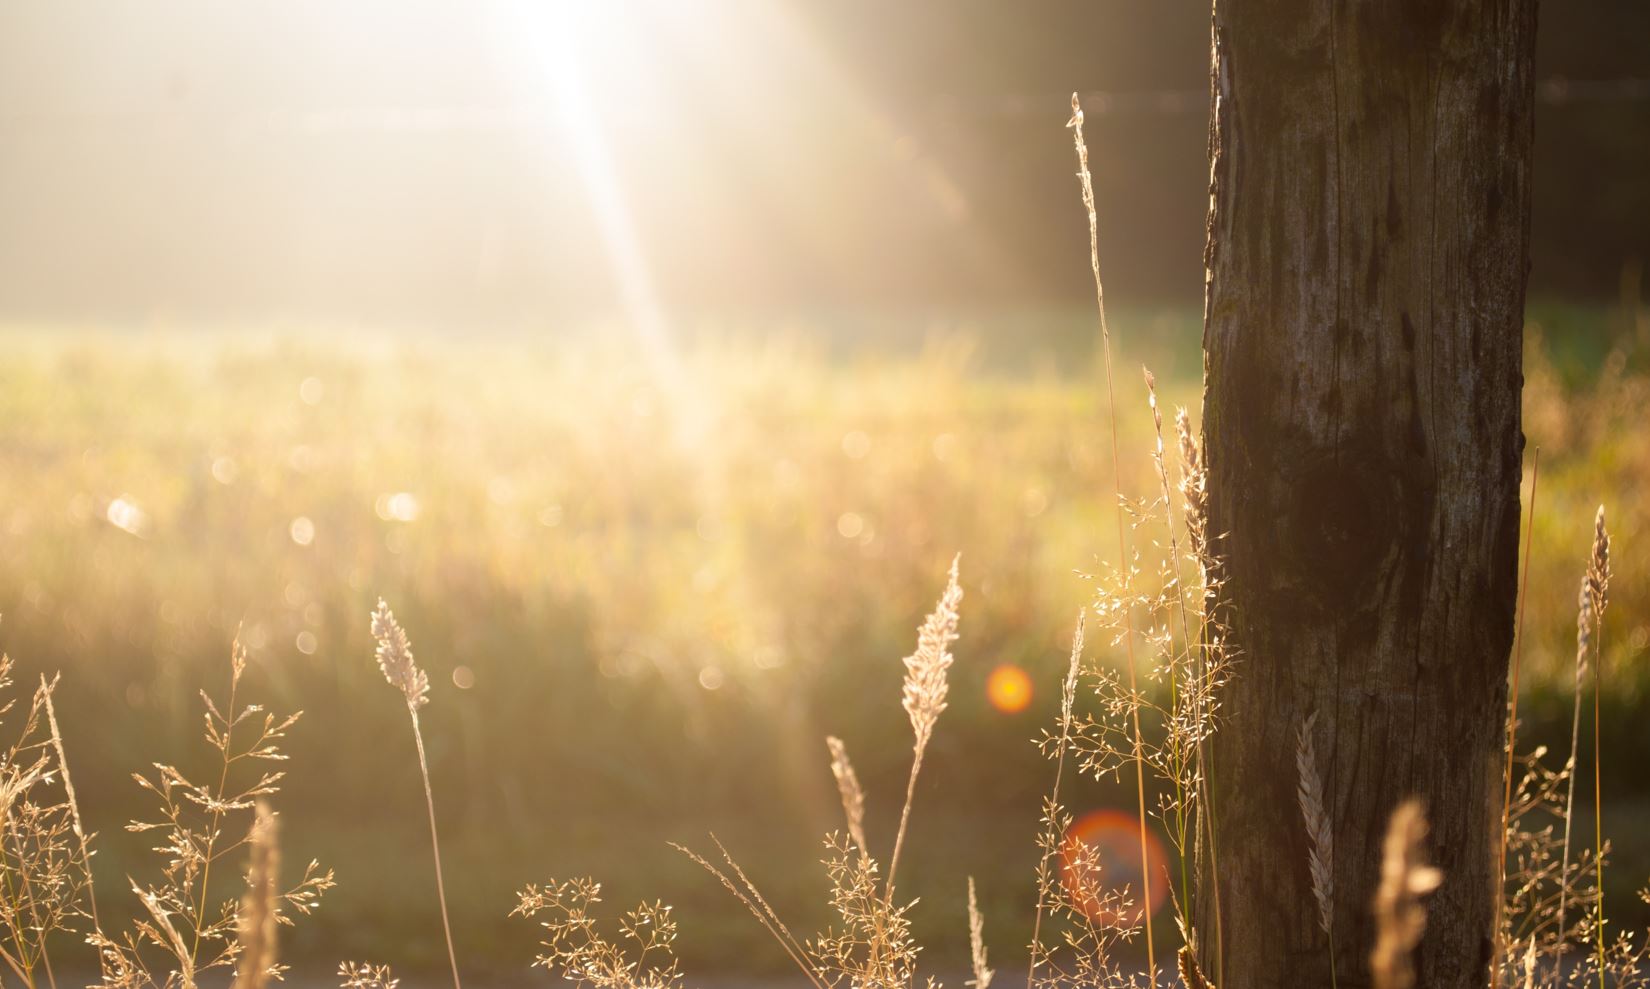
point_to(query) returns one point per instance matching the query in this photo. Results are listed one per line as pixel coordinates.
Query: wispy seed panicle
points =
(361, 975)
(395, 657)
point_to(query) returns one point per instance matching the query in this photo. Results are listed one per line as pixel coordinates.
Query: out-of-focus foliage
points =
(643, 590)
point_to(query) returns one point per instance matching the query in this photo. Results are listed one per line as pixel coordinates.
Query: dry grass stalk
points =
(1093, 919)
(1597, 590)
(926, 685)
(746, 893)
(873, 948)
(256, 922)
(1584, 638)
(643, 957)
(1591, 600)
(1051, 805)
(41, 879)
(1400, 919)
(1208, 653)
(1185, 803)
(81, 836)
(1194, 491)
(395, 658)
(1190, 694)
(187, 930)
(363, 975)
(847, 783)
(1539, 877)
(976, 942)
(1501, 943)
(1087, 181)
(1320, 836)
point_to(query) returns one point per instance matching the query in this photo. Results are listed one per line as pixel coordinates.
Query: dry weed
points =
(395, 659)
(189, 927)
(642, 958)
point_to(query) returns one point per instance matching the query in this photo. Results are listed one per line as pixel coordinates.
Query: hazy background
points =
(413, 164)
(653, 360)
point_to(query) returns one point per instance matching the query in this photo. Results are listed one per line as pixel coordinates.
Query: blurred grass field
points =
(648, 585)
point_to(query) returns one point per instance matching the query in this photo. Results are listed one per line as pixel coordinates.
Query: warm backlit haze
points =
(653, 360)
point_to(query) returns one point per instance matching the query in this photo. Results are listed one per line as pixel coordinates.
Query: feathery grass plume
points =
(1400, 919)
(256, 922)
(1194, 488)
(1189, 692)
(1598, 564)
(1185, 803)
(1051, 805)
(1190, 974)
(874, 946)
(44, 884)
(1071, 893)
(926, 684)
(187, 930)
(847, 784)
(1086, 179)
(976, 942)
(1584, 639)
(575, 951)
(364, 975)
(81, 837)
(1502, 945)
(1597, 590)
(1093, 919)
(1068, 688)
(395, 658)
(1320, 837)
(1209, 658)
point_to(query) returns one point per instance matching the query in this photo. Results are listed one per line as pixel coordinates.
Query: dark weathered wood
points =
(1369, 233)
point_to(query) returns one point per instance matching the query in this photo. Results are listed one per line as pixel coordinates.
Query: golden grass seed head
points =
(926, 680)
(395, 657)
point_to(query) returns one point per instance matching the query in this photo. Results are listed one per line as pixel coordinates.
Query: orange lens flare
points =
(1100, 867)
(1008, 688)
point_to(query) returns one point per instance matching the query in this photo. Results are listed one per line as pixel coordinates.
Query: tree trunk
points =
(1368, 247)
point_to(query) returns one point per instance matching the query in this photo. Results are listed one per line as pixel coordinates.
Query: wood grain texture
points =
(1368, 251)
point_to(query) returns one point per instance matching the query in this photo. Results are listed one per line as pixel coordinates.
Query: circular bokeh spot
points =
(1008, 688)
(1100, 867)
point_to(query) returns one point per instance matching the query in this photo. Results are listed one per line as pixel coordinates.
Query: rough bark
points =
(1368, 249)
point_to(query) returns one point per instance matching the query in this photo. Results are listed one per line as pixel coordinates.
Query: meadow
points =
(646, 586)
